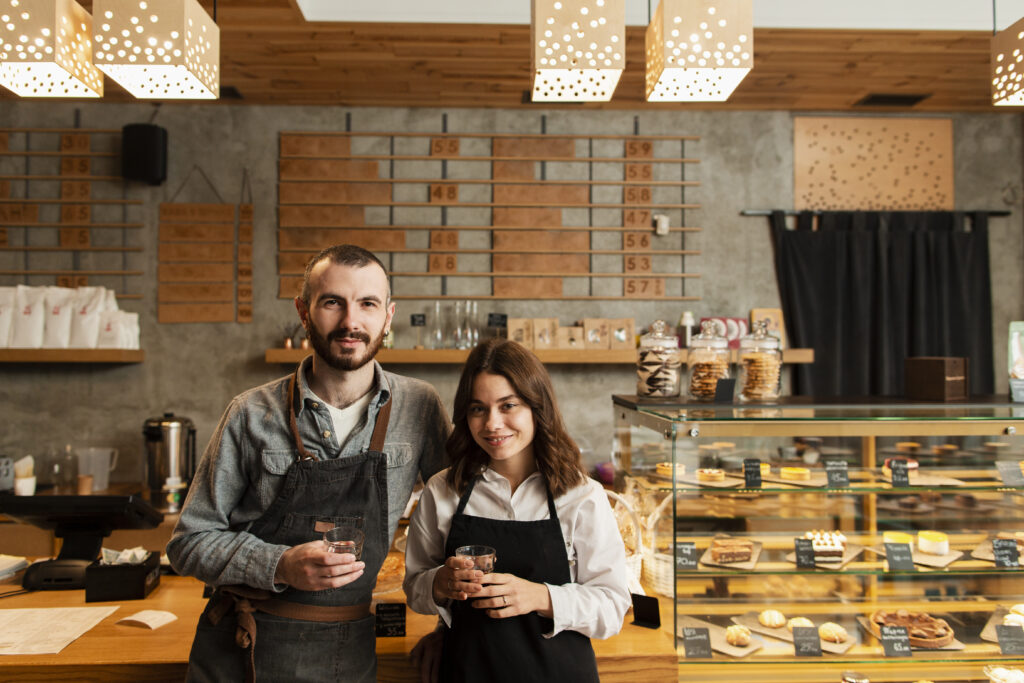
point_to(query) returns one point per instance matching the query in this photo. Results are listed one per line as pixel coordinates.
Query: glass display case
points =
(892, 532)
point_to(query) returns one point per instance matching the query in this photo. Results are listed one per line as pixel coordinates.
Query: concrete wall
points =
(194, 369)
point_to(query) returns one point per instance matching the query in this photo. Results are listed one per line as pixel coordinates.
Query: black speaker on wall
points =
(144, 153)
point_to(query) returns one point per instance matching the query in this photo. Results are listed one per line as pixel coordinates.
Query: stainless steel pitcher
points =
(170, 460)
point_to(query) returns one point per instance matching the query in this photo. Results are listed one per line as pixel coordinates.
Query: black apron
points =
(305, 635)
(480, 648)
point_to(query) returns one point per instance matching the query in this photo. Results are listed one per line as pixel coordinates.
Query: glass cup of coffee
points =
(344, 539)
(483, 556)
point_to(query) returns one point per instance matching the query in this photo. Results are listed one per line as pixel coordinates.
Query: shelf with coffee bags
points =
(798, 500)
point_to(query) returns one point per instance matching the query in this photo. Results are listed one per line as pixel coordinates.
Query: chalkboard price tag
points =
(804, 553)
(497, 320)
(899, 556)
(1005, 552)
(838, 473)
(1011, 639)
(752, 473)
(686, 555)
(418, 320)
(900, 473)
(724, 390)
(895, 641)
(696, 643)
(806, 642)
(1010, 472)
(390, 619)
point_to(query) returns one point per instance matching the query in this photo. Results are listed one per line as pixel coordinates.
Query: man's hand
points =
(309, 567)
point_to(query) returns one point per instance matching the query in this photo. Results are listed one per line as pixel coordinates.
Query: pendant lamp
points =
(158, 49)
(46, 49)
(698, 50)
(578, 49)
(1008, 66)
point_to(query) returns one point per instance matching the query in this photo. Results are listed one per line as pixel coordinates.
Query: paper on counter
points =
(46, 631)
(149, 618)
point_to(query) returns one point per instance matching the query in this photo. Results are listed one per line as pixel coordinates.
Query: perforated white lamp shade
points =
(1008, 66)
(158, 49)
(46, 49)
(698, 50)
(578, 49)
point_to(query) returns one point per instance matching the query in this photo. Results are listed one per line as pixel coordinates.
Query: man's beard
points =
(345, 359)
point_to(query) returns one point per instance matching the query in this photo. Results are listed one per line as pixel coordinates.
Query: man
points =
(338, 442)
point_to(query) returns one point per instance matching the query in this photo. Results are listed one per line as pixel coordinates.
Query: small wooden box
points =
(521, 330)
(569, 338)
(544, 333)
(621, 333)
(595, 333)
(935, 378)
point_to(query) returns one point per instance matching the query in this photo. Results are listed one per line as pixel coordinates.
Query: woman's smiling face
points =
(499, 420)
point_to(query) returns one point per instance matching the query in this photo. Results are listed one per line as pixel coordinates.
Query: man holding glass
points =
(338, 443)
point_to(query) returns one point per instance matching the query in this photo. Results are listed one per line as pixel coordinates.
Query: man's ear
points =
(303, 310)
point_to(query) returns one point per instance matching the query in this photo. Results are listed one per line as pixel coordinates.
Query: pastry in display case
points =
(889, 536)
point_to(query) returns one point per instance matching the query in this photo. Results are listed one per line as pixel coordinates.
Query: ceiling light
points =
(46, 51)
(174, 53)
(698, 50)
(1007, 66)
(578, 49)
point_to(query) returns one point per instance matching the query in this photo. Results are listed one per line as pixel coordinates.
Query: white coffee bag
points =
(7, 295)
(85, 321)
(29, 317)
(59, 311)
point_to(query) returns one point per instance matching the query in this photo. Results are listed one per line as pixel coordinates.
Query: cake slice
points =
(725, 550)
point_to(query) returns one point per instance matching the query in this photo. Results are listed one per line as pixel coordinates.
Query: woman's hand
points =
(506, 595)
(456, 580)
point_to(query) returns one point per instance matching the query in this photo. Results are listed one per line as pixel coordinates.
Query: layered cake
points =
(933, 542)
(726, 550)
(924, 629)
(766, 469)
(828, 545)
(772, 618)
(897, 537)
(795, 473)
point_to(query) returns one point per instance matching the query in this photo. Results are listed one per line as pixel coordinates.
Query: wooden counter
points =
(110, 652)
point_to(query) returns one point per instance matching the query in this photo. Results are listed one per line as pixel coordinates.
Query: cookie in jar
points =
(658, 363)
(708, 362)
(760, 366)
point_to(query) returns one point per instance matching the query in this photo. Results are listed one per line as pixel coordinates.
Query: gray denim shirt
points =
(245, 463)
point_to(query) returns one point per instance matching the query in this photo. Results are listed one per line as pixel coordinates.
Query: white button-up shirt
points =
(596, 600)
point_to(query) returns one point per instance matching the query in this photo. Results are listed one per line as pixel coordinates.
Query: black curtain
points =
(868, 289)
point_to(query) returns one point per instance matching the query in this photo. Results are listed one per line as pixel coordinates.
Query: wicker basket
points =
(658, 568)
(634, 559)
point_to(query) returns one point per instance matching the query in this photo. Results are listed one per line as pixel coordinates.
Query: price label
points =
(444, 147)
(639, 149)
(806, 642)
(641, 288)
(900, 474)
(636, 241)
(390, 621)
(752, 473)
(636, 195)
(895, 641)
(1011, 639)
(75, 213)
(696, 643)
(804, 553)
(636, 264)
(686, 556)
(497, 320)
(444, 239)
(1010, 472)
(636, 218)
(1005, 552)
(418, 320)
(444, 193)
(443, 263)
(639, 171)
(838, 474)
(899, 557)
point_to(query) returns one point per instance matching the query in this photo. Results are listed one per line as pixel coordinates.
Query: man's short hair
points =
(342, 255)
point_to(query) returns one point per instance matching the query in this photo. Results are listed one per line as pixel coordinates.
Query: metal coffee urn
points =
(170, 460)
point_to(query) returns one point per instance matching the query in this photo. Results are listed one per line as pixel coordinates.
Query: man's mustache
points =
(347, 334)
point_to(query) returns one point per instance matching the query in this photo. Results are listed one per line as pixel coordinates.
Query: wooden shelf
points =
(455, 356)
(72, 355)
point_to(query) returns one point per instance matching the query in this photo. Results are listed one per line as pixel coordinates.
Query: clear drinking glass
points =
(472, 325)
(483, 556)
(458, 326)
(435, 339)
(344, 539)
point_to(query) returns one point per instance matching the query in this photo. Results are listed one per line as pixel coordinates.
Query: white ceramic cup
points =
(24, 486)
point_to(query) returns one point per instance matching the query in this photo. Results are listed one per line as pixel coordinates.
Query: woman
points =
(516, 483)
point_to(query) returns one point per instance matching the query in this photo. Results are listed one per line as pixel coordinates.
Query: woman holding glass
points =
(515, 483)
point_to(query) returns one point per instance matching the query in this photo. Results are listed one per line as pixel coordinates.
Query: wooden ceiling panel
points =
(270, 55)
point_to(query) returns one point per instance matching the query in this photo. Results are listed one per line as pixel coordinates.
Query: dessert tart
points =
(795, 473)
(923, 629)
(710, 474)
(772, 618)
(907, 446)
(799, 621)
(727, 550)
(832, 632)
(828, 546)
(737, 635)
(933, 542)
(897, 537)
(664, 469)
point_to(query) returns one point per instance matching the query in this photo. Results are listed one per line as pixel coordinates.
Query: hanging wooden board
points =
(872, 163)
(196, 232)
(13, 214)
(327, 169)
(332, 193)
(528, 288)
(197, 213)
(195, 272)
(540, 263)
(315, 145)
(320, 216)
(374, 239)
(552, 240)
(196, 313)
(289, 287)
(530, 218)
(540, 146)
(196, 253)
(200, 293)
(514, 170)
(541, 194)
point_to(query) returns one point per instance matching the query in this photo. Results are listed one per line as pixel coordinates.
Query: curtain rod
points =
(790, 212)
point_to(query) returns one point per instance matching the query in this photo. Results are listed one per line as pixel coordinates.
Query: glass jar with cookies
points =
(760, 366)
(658, 363)
(707, 362)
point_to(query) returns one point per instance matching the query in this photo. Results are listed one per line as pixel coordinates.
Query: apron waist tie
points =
(246, 600)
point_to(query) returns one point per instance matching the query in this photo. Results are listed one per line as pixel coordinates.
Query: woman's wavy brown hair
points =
(557, 455)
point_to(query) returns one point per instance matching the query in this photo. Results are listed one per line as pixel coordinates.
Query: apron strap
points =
(465, 496)
(380, 428)
(551, 504)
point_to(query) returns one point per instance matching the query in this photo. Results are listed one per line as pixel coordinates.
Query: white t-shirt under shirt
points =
(348, 418)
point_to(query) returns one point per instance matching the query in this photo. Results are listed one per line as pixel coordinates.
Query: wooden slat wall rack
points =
(549, 356)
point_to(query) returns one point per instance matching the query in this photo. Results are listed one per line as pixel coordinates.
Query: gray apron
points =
(311, 636)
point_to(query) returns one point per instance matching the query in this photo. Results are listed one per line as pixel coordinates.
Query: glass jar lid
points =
(707, 337)
(659, 337)
(759, 338)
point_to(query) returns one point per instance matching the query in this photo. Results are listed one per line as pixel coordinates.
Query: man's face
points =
(348, 313)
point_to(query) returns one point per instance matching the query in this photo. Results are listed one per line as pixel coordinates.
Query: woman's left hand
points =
(507, 595)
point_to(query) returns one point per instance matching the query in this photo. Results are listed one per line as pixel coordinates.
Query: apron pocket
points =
(295, 650)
